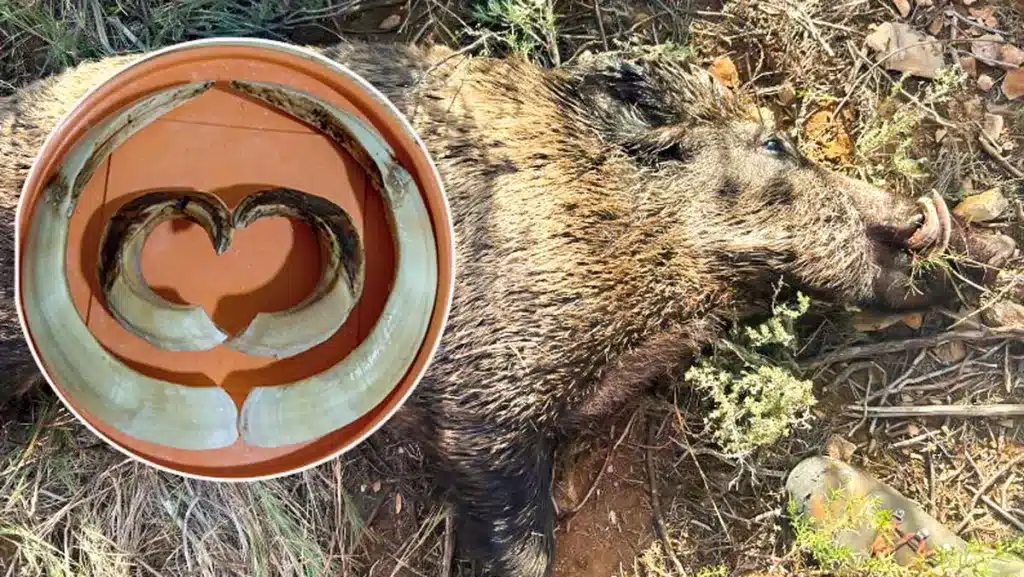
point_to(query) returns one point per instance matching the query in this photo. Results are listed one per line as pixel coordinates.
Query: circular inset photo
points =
(234, 259)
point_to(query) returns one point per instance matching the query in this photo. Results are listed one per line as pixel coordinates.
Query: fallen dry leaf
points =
(1013, 84)
(985, 82)
(869, 321)
(840, 449)
(951, 352)
(391, 22)
(936, 25)
(725, 71)
(786, 94)
(987, 47)
(985, 15)
(993, 126)
(906, 50)
(913, 320)
(969, 65)
(983, 206)
(1010, 57)
(903, 6)
(830, 138)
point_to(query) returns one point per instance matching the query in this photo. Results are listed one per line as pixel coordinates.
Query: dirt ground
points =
(71, 506)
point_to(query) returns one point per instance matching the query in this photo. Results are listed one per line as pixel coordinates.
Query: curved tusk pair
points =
(937, 228)
(198, 418)
(177, 327)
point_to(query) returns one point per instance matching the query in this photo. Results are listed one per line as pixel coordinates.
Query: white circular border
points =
(333, 66)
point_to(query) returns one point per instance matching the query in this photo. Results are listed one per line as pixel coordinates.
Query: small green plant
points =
(756, 401)
(895, 134)
(526, 27)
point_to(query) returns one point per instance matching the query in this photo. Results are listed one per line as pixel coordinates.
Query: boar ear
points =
(660, 90)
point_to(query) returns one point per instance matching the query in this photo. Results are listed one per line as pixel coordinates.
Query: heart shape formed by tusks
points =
(198, 418)
(177, 327)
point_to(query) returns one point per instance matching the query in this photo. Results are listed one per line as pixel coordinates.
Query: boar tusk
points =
(287, 333)
(930, 231)
(146, 408)
(945, 222)
(304, 410)
(170, 326)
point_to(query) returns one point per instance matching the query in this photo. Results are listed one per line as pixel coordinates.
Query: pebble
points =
(926, 3)
(1004, 314)
(903, 6)
(985, 82)
(983, 206)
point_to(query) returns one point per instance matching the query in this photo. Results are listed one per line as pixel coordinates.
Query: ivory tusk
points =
(320, 315)
(146, 408)
(298, 412)
(170, 326)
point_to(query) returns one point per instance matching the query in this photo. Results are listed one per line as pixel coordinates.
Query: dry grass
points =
(71, 506)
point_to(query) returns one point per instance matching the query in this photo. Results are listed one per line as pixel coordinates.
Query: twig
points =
(604, 466)
(449, 544)
(990, 148)
(990, 411)
(984, 487)
(600, 23)
(883, 348)
(659, 522)
(1003, 513)
(967, 20)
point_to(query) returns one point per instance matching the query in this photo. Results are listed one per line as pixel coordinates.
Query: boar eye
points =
(775, 146)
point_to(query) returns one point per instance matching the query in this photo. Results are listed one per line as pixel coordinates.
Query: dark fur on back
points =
(611, 218)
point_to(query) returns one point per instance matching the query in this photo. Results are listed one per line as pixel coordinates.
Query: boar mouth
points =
(935, 226)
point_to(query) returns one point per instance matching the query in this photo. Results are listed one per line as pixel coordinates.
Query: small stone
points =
(840, 449)
(725, 71)
(951, 352)
(969, 65)
(940, 134)
(985, 82)
(903, 6)
(986, 48)
(1004, 314)
(1013, 84)
(787, 94)
(391, 22)
(1010, 57)
(969, 2)
(906, 50)
(983, 206)
(936, 25)
(993, 126)
(926, 3)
